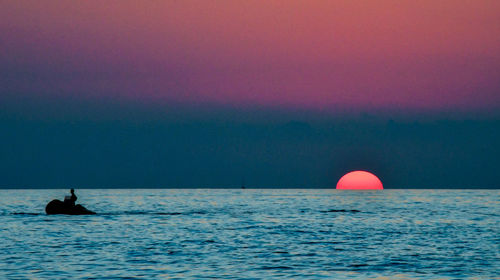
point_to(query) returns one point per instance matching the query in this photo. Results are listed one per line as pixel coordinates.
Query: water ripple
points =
(252, 234)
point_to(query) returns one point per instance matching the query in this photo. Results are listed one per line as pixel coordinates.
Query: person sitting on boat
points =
(71, 199)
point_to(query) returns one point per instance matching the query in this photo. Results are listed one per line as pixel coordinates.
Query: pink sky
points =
(429, 55)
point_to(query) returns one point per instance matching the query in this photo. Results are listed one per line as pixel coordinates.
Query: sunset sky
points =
(327, 55)
(223, 91)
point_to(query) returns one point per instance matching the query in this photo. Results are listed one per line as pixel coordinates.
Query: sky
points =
(273, 93)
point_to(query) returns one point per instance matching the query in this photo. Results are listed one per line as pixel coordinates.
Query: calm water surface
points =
(252, 234)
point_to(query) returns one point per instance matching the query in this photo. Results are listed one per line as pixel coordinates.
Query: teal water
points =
(253, 234)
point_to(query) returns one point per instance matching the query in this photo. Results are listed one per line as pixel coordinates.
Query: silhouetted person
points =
(67, 206)
(71, 199)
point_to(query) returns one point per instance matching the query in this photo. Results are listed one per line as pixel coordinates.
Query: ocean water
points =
(253, 234)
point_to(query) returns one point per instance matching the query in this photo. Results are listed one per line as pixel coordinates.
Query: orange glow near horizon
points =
(359, 180)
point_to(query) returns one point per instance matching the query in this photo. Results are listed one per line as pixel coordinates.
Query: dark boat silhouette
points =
(58, 207)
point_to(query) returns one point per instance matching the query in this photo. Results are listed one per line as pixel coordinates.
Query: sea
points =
(252, 234)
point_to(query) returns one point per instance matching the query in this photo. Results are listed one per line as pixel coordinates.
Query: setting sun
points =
(359, 180)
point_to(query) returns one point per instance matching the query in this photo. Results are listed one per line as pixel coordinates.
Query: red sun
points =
(359, 180)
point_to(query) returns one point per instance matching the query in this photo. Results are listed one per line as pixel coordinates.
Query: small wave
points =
(115, 213)
(277, 267)
(320, 242)
(197, 213)
(340, 210)
(358, 265)
(140, 213)
(198, 241)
